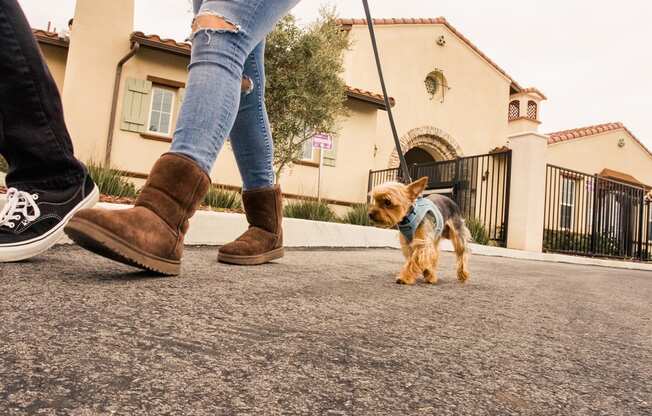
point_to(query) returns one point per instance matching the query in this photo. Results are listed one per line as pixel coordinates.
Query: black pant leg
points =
(33, 135)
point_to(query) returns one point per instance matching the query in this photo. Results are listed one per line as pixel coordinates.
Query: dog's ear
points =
(416, 187)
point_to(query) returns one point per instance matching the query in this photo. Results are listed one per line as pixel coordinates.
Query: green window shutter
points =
(136, 105)
(330, 156)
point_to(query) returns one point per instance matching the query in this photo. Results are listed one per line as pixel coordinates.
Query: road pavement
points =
(322, 333)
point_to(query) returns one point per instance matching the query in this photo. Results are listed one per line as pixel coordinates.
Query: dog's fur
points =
(390, 203)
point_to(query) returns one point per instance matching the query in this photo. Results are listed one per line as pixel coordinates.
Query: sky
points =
(592, 58)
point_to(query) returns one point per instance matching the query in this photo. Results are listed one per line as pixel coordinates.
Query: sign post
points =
(321, 141)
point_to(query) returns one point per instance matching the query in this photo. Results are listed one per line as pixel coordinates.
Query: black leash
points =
(397, 142)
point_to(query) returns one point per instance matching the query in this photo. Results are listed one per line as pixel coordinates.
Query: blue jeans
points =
(215, 105)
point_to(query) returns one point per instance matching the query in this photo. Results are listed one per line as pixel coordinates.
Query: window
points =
(532, 110)
(567, 203)
(514, 110)
(307, 152)
(160, 116)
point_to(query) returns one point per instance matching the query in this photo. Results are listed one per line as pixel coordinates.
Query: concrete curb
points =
(209, 228)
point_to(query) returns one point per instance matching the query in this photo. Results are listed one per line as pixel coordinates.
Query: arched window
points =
(514, 110)
(436, 82)
(532, 110)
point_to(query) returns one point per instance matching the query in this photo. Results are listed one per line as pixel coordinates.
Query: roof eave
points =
(51, 38)
(378, 103)
(146, 41)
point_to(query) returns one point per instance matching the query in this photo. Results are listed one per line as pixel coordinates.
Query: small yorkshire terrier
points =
(422, 223)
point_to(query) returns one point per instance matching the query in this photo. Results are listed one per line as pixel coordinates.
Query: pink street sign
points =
(322, 141)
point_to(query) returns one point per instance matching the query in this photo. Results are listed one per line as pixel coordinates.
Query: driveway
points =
(322, 333)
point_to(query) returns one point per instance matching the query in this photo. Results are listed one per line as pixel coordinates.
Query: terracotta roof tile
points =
(51, 38)
(532, 90)
(431, 21)
(622, 177)
(181, 48)
(372, 96)
(566, 135)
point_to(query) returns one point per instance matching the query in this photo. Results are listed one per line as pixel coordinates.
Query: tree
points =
(305, 93)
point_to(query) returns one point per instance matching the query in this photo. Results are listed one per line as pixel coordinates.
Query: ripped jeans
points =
(225, 92)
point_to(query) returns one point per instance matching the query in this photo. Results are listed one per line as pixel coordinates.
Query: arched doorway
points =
(436, 143)
(416, 155)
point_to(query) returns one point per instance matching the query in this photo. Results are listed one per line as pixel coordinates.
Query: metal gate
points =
(590, 215)
(478, 184)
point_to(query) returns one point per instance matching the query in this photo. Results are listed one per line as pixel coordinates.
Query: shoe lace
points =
(19, 202)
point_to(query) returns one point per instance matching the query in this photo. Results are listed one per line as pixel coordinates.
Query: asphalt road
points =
(322, 333)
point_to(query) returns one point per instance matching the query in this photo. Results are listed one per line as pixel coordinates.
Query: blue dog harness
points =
(422, 207)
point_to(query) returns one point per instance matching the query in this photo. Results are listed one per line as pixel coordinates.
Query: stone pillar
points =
(527, 189)
(99, 39)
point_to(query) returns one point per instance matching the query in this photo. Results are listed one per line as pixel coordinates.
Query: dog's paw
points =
(429, 278)
(463, 276)
(401, 281)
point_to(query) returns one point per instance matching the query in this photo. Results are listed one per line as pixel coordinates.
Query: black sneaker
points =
(32, 221)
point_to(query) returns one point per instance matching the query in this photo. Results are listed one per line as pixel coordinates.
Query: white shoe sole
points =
(36, 246)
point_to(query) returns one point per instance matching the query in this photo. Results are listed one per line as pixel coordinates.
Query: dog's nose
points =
(371, 216)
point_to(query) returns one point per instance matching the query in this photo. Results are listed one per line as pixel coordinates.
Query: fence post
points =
(595, 209)
(527, 191)
(641, 220)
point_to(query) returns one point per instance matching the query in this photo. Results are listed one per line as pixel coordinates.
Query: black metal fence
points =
(479, 184)
(593, 216)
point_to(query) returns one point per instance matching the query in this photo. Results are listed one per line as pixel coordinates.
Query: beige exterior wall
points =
(593, 153)
(56, 58)
(527, 191)
(474, 110)
(99, 39)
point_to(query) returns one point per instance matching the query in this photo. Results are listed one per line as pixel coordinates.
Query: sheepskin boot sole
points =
(107, 244)
(251, 260)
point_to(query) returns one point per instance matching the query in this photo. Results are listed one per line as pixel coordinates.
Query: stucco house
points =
(122, 90)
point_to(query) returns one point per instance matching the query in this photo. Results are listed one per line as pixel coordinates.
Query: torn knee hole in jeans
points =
(247, 85)
(210, 23)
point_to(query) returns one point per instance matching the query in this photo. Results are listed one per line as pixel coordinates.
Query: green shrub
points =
(572, 242)
(358, 215)
(309, 210)
(111, 182)
(479, 233)
(223, 199)
(4, 167)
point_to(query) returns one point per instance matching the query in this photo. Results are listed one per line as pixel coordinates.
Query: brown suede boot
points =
(263, 241)
(150, 235)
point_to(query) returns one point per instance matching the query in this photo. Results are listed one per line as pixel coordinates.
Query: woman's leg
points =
(225, 33)
(151, 235)
(251, 136)
(252, 144)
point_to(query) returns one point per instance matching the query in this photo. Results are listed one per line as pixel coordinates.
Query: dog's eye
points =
(388, 203)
